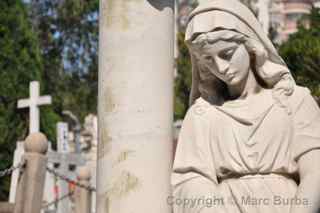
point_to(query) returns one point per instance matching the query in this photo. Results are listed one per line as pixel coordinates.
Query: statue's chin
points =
(234, 80)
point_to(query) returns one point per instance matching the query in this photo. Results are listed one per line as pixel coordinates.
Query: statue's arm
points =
(193, 178)
(199, 195)
(309, 187)
(307, 152)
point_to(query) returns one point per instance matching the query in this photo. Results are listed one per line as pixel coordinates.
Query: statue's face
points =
(228, 61)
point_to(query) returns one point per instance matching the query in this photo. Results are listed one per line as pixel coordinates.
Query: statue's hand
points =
(257, 49)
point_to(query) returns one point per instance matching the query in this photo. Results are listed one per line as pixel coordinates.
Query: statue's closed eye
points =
(208, 57)
(227, 54)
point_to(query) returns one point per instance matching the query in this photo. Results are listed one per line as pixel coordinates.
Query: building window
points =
(294, 17)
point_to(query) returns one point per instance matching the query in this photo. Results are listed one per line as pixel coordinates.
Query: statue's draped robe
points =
(244, 159)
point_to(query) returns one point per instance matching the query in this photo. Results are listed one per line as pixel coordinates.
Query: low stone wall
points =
(6, 208)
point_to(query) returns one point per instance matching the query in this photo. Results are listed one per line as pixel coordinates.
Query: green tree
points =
(183, 79)
(302, 53)
(20, 63)
(68, 34)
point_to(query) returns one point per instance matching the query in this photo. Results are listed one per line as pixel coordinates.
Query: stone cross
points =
(33, 103)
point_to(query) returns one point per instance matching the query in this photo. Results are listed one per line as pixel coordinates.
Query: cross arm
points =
(23, 103)
(44, 100)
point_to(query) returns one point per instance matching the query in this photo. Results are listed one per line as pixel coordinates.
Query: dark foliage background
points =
(54, 42)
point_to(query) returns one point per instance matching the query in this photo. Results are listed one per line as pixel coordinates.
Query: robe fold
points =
(242, 157)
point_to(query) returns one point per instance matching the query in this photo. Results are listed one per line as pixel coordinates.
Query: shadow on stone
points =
(161, 4)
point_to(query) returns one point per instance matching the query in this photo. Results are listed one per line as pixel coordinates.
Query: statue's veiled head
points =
(226, 42)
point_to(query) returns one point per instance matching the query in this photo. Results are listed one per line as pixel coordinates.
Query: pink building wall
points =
(285, 15)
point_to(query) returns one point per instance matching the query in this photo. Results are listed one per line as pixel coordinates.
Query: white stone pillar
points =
(136, 64)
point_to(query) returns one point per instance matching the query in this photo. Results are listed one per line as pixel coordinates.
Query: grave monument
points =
(33, 104)
(66, 164)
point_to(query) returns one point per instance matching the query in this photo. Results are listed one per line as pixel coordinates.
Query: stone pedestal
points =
(82, 195)
(30, 188)
(136, 64)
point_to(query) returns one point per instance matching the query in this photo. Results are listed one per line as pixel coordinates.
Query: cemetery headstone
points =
(65, 164)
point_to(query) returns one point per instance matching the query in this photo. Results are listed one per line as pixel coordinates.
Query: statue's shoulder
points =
(299, 95)
(198, 114)
(300, 92)
(201, 107)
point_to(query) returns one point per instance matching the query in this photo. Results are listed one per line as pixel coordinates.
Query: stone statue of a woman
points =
(250, 142)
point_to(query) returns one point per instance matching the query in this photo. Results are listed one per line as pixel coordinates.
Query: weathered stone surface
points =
(6, 208)
(135, 105)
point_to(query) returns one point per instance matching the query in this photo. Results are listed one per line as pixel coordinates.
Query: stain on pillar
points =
(104, 136)
(115, 12)
(107, 205)
(109, 104)
(123, 156)
(122, 185)
(105, 141)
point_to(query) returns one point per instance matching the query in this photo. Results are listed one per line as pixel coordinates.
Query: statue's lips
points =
(230, 76)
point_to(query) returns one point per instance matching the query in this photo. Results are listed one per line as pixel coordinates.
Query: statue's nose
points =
(222, 65)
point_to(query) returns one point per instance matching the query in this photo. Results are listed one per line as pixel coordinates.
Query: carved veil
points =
(231, 15)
